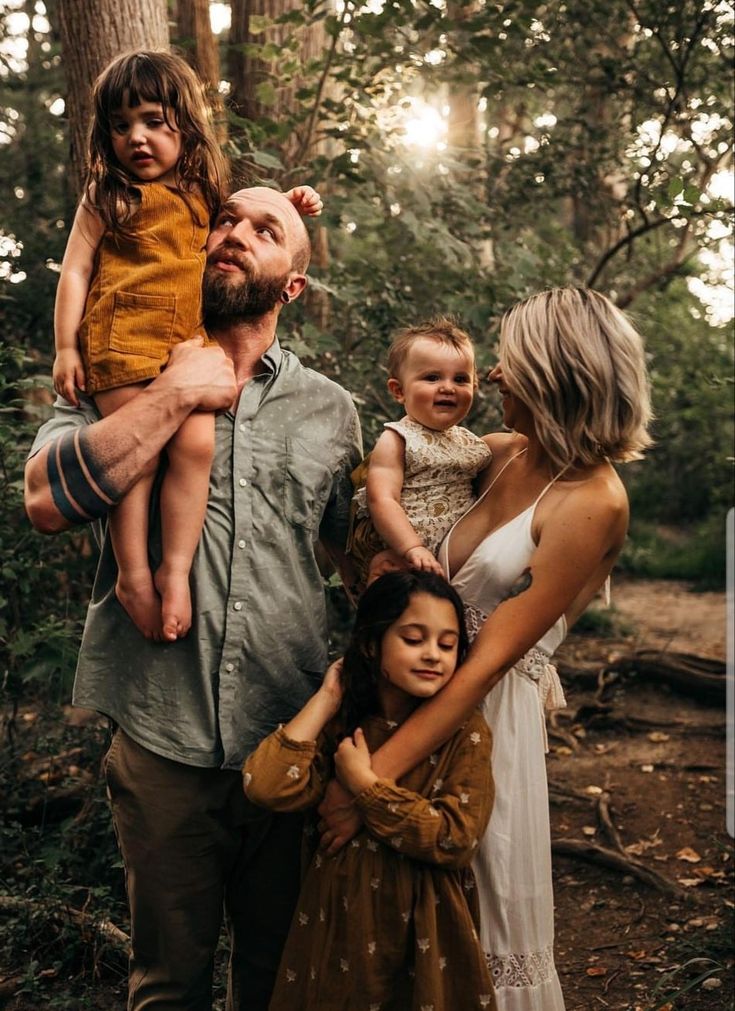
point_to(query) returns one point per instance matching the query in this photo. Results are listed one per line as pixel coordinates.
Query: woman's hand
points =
(353, 763)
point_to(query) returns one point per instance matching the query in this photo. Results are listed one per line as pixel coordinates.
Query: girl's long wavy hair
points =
(383, 603)
(152, 76)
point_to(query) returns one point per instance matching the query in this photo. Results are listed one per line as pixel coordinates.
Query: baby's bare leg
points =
(183, 503)
(129, 533)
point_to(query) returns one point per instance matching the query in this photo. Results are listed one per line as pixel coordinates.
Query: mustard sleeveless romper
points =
(146, 294)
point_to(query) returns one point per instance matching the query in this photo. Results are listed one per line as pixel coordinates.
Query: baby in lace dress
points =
(421, 470)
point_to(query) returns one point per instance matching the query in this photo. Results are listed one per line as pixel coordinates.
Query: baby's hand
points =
(68, 374)
(306, 200)
(421, 558)
(353, 763)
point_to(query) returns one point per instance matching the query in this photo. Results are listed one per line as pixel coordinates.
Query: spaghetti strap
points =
(507, 462)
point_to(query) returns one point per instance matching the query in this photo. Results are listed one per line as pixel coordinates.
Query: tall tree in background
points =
(277, 49)
(92, 34)
(196, 38)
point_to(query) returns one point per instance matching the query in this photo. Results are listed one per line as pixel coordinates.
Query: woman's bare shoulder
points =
(504, 444)
(597, 500)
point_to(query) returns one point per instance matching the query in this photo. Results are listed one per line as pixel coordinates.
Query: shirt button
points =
(237, 605)
(241, 544)
(243, 427)
(242, 482)
(229, 667)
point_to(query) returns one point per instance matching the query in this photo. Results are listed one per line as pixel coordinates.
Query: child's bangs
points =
(139, 81)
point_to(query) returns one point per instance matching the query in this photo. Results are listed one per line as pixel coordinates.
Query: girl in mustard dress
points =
(130, 288)
(390, 923)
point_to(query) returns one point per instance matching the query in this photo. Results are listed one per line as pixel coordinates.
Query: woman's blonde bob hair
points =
(577, 363)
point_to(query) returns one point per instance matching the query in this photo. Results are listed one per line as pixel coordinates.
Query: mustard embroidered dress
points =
(146, 293)
(390, 922)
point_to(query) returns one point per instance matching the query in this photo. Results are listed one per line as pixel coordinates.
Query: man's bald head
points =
(298, 236)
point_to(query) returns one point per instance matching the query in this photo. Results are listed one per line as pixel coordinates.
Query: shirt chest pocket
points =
(307, 485)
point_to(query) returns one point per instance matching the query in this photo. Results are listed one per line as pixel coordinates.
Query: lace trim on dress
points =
(535, 664)
(529, 968)
(474, 619)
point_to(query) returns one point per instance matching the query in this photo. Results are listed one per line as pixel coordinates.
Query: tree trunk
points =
(463, 132)
(248, 72)
(92, 34)
(464, 123)
(196, 38)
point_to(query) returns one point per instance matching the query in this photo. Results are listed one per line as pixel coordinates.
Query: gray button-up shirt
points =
(257, 647)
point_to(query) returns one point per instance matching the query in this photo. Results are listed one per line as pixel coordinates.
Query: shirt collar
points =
(272, 356)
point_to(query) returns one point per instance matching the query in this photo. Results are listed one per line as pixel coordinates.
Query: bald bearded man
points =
(187, 713)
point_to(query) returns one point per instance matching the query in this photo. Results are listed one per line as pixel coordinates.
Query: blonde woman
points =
(527, 558)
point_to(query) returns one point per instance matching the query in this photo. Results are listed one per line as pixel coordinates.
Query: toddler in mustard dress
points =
(130, 288)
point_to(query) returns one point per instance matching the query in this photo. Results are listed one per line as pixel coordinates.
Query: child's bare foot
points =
(173, 586)
(137, 594)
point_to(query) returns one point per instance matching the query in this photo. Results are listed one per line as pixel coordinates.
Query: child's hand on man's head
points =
(306, 200)
(353, 763)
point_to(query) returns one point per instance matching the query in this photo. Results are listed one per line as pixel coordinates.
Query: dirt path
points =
(620, 943)
(670, 615)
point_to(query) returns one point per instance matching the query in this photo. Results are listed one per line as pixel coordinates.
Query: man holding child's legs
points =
(188, 712)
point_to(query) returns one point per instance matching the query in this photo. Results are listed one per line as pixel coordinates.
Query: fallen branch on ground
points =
(595, 854)
(699, 676)
(105, 929)
(606, 823)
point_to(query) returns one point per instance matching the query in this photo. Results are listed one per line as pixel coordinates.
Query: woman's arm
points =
(579, 541)
(383, 490)
(445, 828)
(71, 295)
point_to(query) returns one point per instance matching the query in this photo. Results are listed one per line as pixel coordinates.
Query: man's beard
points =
(234, 298)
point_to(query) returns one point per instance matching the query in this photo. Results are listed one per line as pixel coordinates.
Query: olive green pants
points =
(196, 850)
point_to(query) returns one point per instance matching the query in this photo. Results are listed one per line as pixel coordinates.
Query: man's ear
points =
(295, 286)
(396, 390)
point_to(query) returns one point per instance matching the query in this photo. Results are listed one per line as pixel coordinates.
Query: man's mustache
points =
(227, 254)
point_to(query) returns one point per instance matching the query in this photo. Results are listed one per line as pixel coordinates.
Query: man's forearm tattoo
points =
(521, 584)
(79, 490)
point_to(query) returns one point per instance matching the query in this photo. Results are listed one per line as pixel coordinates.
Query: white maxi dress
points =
(513, 864)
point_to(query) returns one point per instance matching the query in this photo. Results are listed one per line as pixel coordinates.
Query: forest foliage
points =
(469, 154)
